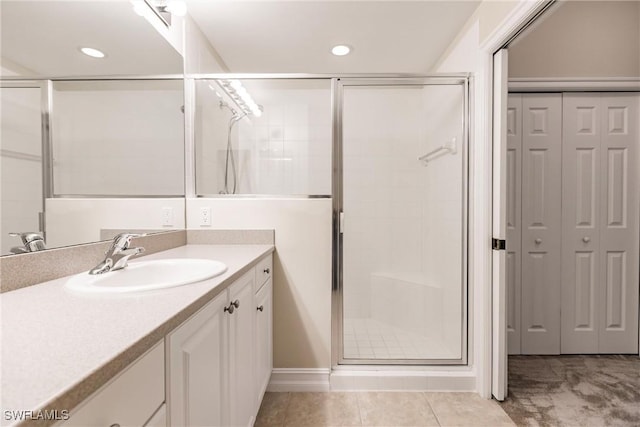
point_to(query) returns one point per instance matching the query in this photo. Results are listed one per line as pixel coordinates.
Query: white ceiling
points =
(296, 36)
(44, 37)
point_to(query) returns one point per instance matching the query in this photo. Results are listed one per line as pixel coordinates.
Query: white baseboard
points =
(310, 379)
(321, 379)
(358, 380)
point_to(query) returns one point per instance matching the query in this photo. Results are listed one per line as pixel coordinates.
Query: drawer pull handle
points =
(260, 308)
(266, 271)
(115, 425)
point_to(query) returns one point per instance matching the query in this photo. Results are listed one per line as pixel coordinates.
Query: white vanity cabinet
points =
(196, 365)
(263, 362)
(130, 399)
(213, 358)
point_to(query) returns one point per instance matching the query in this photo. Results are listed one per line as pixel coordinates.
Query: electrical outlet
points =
(167, 217)
(205, 217)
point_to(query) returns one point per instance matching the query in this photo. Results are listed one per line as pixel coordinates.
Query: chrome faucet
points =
(31, 241)
(118, 254)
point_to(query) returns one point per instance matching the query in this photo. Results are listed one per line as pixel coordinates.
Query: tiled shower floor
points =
(371, 339)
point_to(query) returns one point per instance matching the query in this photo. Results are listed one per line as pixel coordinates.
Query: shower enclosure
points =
(392, 154)
(400, 207)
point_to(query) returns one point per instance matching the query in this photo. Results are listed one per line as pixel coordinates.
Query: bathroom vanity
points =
(198, 354)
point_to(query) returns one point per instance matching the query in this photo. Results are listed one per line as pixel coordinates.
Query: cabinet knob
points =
(236, 304)
(586, 239)
(538, 241)
(266, 271)
(260, 308)
(115, 425)
(230, 309)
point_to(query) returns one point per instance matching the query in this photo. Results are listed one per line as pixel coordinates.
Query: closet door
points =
(541, 218)
(618, 296)
(600, 224)
(514, 212)
(580, 222)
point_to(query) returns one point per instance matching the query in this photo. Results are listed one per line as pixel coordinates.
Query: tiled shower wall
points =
(286, 151)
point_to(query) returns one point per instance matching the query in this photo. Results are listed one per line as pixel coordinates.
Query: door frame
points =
(493, 361)
(521, 18)
(463, 79)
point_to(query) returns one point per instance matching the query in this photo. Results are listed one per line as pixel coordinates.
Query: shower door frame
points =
(337, 288)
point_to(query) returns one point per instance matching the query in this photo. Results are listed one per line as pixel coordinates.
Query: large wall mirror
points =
(91, 142)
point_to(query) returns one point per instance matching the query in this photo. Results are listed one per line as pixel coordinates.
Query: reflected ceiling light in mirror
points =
(340, 50)
(94, 53)
(241, 97)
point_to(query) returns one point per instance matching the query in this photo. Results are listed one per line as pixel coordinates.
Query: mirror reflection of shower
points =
(248, 107)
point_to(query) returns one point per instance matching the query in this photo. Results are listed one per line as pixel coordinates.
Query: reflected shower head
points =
(225, 105)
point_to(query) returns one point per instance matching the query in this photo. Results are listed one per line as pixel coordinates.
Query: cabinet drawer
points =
(130, 399)
(264, 270)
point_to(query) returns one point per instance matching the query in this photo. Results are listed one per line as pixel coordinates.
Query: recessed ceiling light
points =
(340, 50)
(94, 53)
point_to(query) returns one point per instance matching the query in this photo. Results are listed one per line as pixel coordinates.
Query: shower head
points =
(225, 105)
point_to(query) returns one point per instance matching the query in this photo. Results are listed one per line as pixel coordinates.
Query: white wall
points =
(20, 163)
(581, 39)
(118, 138)
(199, 55)
(489, 28)
(74, 221)
(302, 269)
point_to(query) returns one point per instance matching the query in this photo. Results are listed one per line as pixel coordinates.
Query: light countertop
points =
(59, 346)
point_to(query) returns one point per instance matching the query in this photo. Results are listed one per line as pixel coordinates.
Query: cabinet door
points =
(241, 337)
(196, 356)
(264, 340)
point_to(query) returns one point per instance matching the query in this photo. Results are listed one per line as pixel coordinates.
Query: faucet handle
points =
(31, 240)
(122, 240)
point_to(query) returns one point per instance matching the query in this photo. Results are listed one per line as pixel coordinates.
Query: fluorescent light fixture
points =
(341, 50)
(241, 97)
(94, 53)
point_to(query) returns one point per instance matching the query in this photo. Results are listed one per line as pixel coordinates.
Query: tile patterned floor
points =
(586, 391)
(379, 409)
(371, 339)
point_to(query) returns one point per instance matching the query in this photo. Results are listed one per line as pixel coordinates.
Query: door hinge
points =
(341, 222)
(498, 244)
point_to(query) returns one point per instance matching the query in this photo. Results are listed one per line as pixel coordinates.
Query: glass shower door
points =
(403, 241)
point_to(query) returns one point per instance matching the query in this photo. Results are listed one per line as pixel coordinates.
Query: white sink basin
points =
(147, 276)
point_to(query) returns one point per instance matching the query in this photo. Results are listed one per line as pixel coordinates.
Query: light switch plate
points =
(167, 216)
